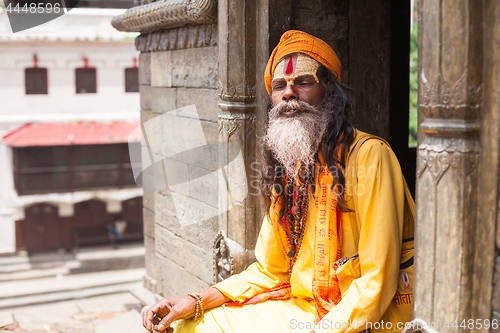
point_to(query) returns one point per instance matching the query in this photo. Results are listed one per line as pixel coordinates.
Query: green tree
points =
(413, 85)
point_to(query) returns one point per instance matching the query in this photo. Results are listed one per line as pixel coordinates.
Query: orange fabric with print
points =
(327, 246)
(294, 41)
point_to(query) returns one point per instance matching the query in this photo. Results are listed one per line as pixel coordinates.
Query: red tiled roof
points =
(81, 133)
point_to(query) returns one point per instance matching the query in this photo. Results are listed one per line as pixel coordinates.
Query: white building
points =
(64, 72)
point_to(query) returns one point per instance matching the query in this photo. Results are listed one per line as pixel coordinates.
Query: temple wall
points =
(178, 254)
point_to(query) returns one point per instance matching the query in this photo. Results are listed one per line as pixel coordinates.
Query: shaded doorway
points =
(42, 229)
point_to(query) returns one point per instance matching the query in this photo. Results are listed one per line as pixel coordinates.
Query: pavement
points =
(83, 291)
(115, 313)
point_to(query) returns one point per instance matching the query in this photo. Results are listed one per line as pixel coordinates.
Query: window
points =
(36, 81)
(72, 168)
(86, 80)
(132, 79)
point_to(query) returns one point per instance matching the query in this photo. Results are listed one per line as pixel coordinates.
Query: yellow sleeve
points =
(381, 199)
(270, 269)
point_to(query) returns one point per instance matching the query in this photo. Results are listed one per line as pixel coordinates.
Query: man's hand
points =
(174, 308)
(169, 309)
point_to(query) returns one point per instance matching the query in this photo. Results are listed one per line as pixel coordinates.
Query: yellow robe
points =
(385, 221)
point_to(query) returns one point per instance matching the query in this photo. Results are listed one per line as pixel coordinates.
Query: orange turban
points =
(294, 41)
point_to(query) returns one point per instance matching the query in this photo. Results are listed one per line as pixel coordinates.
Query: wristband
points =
(199, 305)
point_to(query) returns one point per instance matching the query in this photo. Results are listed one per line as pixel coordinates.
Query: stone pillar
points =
(151, 277)
(237, 91)
(454, 255)
(487, 304)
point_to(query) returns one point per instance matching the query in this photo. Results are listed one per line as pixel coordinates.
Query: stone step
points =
(83, 260)
(22, 267)
(33, 274)
(10, 289)
(18, 258)
(11, 303)
(64, 287)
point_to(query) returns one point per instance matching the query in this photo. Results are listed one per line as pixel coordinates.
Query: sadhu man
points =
(335, 251)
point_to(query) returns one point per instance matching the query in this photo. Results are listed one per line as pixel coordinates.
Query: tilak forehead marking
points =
(293, 66)
(290, 65)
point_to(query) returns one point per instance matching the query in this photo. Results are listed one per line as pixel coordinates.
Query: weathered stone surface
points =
(163, 99)
(145, 68)
(151, 283)
(145, 97)
(192, 211)
(6, 319)
(159, 173)
(149, 221)
(161, 69)
(151, 264)
(130, 322)
(172, 39)
(203, 185)
(202, 234)
(68, 325)
(194, 68)
(211, 131)
(146, 160)
(187, 139)
(147, 115)
(36, 320)
(194, 259)
(148, 197)
(177, 281)
(177, 174)
(109, 303)
(206, 101)
(496, 286)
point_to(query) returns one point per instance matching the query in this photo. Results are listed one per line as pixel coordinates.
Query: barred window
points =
(131, 79)
(86, 81)
(36, 81)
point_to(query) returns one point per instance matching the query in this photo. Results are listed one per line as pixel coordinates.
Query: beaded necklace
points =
(295, 217)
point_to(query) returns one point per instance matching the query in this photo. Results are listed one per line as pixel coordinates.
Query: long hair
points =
(338, 137)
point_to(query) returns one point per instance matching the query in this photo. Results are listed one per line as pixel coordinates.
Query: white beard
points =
(295, 139)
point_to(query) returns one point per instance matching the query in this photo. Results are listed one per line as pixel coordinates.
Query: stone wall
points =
(179, 256)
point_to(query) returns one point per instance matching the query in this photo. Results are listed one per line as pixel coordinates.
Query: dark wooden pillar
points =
(458, 162)
(379, 51)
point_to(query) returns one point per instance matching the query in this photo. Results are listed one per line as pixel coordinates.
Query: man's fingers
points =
(147, 316)
(165, 322)
(147, 319)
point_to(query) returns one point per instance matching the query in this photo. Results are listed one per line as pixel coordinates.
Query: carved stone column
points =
(450, 100)
(237, 90)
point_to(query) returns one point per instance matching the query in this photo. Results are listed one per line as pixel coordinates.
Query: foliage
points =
(413, 85)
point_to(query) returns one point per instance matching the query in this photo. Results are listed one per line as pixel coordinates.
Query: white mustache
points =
(292, 105)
